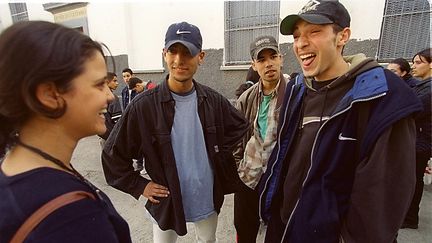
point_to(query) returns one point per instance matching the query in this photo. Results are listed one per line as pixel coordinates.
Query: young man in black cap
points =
(186, 132)
(261, 105)
(342, 169)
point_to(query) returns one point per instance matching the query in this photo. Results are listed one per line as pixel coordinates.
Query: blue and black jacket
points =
(344, 173)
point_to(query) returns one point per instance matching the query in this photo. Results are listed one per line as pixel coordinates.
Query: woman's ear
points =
(48, 95)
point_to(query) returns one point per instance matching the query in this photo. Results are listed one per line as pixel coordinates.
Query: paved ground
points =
(87, 160)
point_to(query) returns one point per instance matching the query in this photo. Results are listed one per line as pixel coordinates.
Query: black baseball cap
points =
(318, 12)
(187, 34)
(261, 43)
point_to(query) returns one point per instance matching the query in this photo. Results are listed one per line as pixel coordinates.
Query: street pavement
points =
(86, 159)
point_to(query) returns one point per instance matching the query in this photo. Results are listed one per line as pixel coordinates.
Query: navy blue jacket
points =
(327, 190)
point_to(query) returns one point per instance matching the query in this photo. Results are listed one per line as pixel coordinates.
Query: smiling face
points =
(87, 100)
(268, 65)
(319, 50)
(181, 64)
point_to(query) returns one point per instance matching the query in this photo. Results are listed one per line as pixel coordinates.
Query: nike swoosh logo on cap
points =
(179, 32)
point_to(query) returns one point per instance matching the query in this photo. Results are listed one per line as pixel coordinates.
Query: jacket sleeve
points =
(383, 187)
(239, 148)
(122, 146)
(235, 126)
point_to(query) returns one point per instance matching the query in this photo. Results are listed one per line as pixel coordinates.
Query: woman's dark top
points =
(86, 220)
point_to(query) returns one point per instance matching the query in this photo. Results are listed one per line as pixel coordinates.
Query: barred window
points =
(244, 21)
(405, 29)
(18, 12)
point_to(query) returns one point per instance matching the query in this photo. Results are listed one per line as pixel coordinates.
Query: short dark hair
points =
(133, 82)
(33, 53)
(424, 54)
(404, 66)
(111, 75)
(127, 70)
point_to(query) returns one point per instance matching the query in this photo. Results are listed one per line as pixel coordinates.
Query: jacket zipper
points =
(277, 158)
(313, 148)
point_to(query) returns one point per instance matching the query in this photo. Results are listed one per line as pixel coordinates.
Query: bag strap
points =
(31, 222)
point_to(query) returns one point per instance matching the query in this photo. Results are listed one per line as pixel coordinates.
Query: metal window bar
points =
(244, 21)
(405, 29)
(18, 12)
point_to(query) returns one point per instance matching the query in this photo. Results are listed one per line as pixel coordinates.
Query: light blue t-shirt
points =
(193, 165)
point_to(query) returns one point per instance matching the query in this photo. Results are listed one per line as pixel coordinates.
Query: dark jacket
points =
(145, 128)
(125, 96)
(113, 114)
(423, 119)
(358, 190)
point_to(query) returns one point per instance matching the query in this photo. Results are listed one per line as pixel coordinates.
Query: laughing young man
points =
(342, 167)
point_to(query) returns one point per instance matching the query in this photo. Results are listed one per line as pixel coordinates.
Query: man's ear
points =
(343, 36)
(48, 95)
(201, 56)
(253, 66)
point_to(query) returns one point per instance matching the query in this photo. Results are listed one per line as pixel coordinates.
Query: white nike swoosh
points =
(182, 32)
(342, 138)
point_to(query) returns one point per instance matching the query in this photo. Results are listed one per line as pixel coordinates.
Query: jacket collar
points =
(166, 93)
(366, 86)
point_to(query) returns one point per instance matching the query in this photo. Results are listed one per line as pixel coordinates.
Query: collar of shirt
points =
(273, 93)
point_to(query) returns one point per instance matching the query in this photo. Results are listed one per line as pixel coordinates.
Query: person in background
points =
(252, 78)
(186, 132)
(136, 85)
(341, 170)
(51, 96)
(114, 110)
(260, 104)
(126, 93)
(421, 69)
(402, 68)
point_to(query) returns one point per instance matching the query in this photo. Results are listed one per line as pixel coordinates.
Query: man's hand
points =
(155, 190)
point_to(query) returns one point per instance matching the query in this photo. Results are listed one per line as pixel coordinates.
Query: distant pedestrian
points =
(422, 66)
(402, 68)
(252, 78)
(186, 132)
(127, 94)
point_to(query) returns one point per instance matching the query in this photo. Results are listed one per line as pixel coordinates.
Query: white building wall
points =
(36, 11)
(107, 23)
(5, 15)
(147, 23)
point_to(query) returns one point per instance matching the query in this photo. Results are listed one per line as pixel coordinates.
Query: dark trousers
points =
(246, 218)
(412, 214)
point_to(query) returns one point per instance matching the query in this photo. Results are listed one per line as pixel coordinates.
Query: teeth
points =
(306, 56)
(103, 111)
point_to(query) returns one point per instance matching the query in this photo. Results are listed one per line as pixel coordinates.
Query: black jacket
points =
(423, 119)
(145, 128)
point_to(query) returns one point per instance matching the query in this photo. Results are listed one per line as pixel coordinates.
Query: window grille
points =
(18, 12)
(244, 21)
(405, 29)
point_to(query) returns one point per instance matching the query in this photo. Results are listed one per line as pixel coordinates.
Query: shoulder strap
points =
(45, 210)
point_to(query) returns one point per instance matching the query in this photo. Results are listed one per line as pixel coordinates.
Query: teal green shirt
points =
(262, 115)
